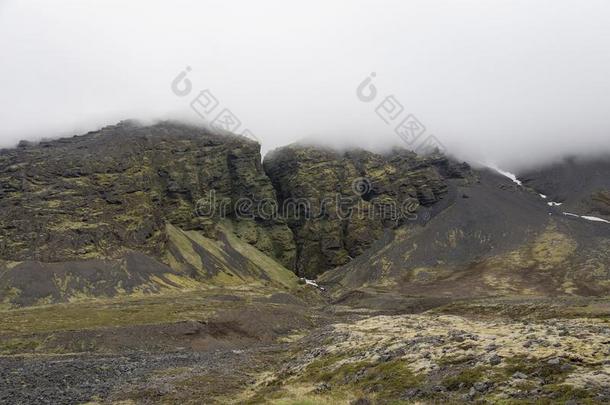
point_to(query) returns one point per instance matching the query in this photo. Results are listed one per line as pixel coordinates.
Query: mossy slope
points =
(191, 261)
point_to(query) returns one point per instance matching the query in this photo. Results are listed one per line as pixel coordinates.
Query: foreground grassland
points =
(435, 357)
(248, 345)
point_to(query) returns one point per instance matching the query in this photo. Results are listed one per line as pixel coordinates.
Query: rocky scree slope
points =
(493, 238)
(580, 186)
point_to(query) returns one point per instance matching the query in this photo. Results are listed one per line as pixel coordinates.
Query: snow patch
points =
(595, 219)
(542, 195)
(554, 204)
(311, 282)
(508, 174)
(587, 217)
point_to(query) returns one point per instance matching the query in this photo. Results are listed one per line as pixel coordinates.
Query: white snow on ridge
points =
(595, 219)
(508, 174)
(543, 196)
(587, 217)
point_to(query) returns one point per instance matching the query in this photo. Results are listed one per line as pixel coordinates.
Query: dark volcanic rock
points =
(504, 239)
(339, 203)
(581, 185)
(91, 201)
(131, 208)
(109, 191)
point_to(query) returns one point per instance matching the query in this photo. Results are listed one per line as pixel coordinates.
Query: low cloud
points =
(513, 83)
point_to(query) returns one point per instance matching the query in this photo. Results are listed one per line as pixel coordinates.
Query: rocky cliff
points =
(339, 203)
(130, 209)
(109, 191)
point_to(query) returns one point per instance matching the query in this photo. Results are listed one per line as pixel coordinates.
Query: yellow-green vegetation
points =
(10, 293)
(29, 329)
(71, 225)
(456, 353)
(545, 263)
(268, 266)
(194, 261)
(566, 392)
(530, 308)
(191, 389)
(338, 378)
(104, 313)
(552, 248)
(553, 394)
(455, 359)
(227, 261)
(466, 377)
(386, 379)
(185, 246)
(19, 345)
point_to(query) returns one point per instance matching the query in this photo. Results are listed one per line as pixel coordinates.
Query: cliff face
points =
(107, 192)
(131, 208)
(139, 209)
(339, 203)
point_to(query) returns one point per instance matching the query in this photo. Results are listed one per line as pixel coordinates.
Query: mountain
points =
(161, 264)
(494, 238)
(133, 208)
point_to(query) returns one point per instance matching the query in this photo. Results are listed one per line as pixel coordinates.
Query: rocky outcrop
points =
(339, 203)
(112, 191)
(106, 194)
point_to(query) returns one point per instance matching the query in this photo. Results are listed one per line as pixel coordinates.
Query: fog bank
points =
(512, 83)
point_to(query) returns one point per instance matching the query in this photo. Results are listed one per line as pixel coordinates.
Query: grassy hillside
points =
(191, 261)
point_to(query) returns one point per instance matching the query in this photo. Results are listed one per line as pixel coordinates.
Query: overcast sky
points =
(507, 82)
